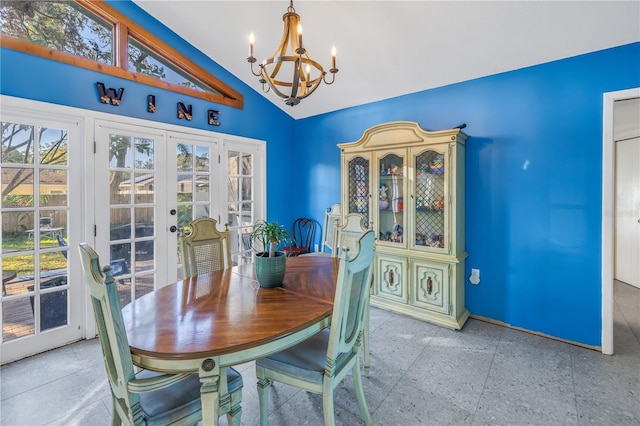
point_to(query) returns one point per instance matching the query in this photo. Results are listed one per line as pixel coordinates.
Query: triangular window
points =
(95, 36)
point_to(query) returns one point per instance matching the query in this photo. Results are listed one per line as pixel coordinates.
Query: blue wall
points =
(533, 171)
(533, 182)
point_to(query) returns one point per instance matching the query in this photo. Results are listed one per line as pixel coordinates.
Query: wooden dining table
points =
(213, 321)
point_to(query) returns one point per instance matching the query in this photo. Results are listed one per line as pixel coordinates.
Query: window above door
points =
(95, 36)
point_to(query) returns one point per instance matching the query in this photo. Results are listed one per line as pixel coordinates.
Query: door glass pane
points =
(131, 220)
(430, 202)
(391, 199)
(202, 158)
(17, 187)
(359, 187)
(53, 147)
(240, 187)
(193, 186)
(34, 229)
(193, 163)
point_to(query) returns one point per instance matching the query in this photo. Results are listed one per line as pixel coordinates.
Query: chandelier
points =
(290, 72)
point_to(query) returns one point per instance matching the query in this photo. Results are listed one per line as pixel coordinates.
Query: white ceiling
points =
(391, 48)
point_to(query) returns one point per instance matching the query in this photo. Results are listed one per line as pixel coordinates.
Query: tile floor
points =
(421, 375)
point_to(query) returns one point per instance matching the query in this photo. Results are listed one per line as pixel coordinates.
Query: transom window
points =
(63, 26)
(108, 42)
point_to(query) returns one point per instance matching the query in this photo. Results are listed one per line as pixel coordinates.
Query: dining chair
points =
(332, 220)
(321, 362)
(303, 233)
(346, 237)
(146, 397)
(205, 249)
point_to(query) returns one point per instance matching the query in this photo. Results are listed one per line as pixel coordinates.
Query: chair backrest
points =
(304, 230)
(332, 219)
(62, 243)
(352, 298)
(205, 249)
(46, 222)
(349, 234)
(113, 336)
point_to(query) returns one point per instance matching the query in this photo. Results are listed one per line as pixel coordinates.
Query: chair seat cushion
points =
(307, 360)
(175, 402)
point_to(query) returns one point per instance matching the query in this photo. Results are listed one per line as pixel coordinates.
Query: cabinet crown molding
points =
(405, 133)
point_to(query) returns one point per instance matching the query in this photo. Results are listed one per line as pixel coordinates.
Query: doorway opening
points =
(608, 210)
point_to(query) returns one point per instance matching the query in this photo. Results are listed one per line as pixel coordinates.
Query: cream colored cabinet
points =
(408, 183)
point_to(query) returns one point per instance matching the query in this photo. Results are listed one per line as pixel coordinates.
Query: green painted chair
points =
(321, 362)
(346, 237)
(205, 249)
(332, 220)
(144, 397)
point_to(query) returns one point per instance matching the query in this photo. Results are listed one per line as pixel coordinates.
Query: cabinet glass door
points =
(391, 199)
(430, 206)
(358, 188)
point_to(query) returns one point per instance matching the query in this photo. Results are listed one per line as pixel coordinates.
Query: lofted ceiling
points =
(390, 48)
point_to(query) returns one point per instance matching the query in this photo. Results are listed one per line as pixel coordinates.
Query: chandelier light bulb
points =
(333, 56)
(252, 40)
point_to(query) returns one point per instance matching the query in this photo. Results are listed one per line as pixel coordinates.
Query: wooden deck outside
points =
(18, 318)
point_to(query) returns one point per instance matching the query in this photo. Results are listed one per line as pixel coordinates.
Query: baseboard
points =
(503, 324)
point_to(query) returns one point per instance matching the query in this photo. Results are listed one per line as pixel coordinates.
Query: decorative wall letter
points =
(212, 117)
(185, 112)
(110, 95)
(151, 103)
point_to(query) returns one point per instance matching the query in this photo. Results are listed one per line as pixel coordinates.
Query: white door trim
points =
(608, 207)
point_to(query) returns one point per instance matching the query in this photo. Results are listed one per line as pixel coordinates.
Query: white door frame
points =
(608, 209)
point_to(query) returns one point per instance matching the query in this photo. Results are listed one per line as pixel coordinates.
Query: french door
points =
(41, 200)
(126, 188)
(130, 208)
(151, 184)
(221, 178)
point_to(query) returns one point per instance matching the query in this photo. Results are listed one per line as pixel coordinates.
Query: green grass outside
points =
(25, 264)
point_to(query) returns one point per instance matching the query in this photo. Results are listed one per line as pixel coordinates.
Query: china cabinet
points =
(408, 183)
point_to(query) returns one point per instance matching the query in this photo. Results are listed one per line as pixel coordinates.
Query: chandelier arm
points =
(333, 77)
(252, 71)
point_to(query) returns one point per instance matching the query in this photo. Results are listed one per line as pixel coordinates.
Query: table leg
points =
(209, 392)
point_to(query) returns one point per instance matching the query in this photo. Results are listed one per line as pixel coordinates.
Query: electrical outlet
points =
(315, 247)
(474, 278)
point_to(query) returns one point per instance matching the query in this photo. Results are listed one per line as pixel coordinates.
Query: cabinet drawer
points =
(430, 286)
(390, 277)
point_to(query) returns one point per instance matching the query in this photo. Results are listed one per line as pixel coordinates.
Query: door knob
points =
(173, 228)
(172, 212)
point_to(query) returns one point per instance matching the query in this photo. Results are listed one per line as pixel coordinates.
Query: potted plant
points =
(270, 264)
